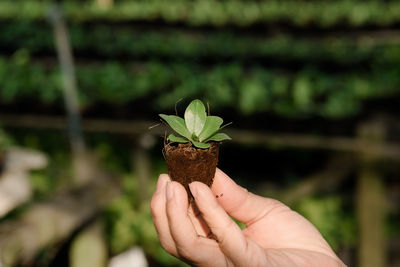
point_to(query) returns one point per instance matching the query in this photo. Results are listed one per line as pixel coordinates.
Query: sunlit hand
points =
(274, 234)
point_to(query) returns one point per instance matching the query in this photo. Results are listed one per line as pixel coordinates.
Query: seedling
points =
(195, 158)
(197, 127)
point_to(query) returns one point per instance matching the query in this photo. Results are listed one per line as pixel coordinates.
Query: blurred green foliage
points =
(214, 12)
(290, 75)
(252, 89)
(138, 43)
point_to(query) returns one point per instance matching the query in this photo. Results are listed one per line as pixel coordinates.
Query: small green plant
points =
(197, 127)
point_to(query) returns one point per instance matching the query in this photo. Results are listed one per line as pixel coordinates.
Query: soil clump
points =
(187, 163)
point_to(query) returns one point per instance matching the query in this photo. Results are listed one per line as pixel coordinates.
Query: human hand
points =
(274, 234)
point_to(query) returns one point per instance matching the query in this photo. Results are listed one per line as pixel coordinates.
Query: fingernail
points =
(160, 184)
(193, 189)
(170, 191)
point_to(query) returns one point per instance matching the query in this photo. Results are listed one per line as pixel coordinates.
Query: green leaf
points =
(177, 124)
(218, 137)
(195, 117)
(211, 126)
(200, 145)
(177, 139)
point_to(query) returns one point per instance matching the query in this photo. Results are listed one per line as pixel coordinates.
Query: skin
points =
(203, 234)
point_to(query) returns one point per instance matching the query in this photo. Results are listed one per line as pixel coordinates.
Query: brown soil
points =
(187, 163)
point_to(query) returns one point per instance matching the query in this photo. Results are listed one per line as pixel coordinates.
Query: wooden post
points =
(371, 202)
(81, 159)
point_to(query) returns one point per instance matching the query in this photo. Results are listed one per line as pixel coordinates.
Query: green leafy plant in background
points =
(197, 127)
(133, 43)
(213, 12)
(246, 89)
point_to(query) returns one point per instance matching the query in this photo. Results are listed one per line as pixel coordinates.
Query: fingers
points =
(158, 211)
(238, 202)
(191, 247)
(229, 236)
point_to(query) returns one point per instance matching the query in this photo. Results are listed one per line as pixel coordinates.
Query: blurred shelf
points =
(239, 136)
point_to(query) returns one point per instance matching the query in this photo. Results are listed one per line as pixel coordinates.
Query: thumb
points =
(228, 234)
(240, 203)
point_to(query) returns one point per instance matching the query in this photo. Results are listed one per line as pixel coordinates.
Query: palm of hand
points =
(274, 234)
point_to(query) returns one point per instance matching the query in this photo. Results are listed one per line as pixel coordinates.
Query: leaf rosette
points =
(196, 127)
